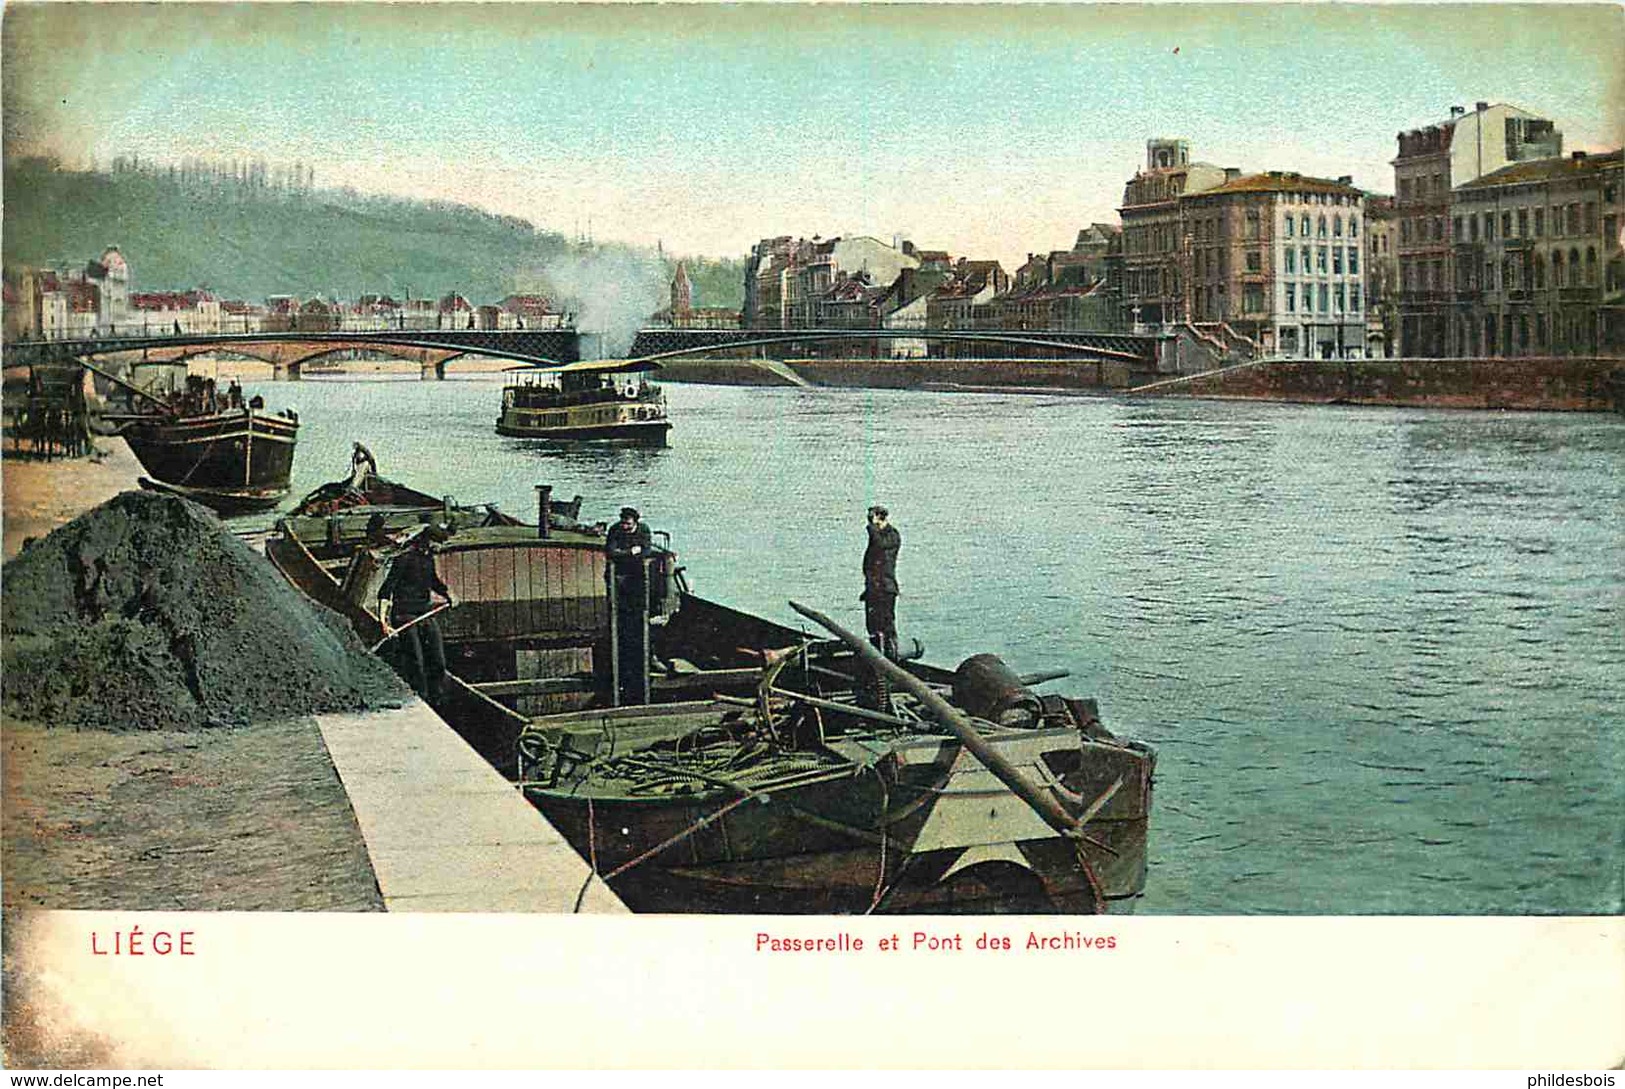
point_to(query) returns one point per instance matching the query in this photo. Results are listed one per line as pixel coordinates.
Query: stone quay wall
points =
(911, 373)
(1535, 384)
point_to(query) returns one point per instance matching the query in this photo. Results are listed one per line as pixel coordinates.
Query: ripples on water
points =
(1379, 651)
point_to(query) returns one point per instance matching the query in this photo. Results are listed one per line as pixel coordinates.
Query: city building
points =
(1381, 276)
(1153, 291)
(1431, 163)
(1276, 257)
(1537, 259)
(785, 278)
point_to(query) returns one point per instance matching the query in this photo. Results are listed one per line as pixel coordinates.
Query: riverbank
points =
(1551, 385)
(979, 374)
(1544, 385)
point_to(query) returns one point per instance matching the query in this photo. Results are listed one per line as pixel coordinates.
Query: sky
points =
(986, 130)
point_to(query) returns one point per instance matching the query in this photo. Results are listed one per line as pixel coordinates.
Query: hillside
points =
(245, 240)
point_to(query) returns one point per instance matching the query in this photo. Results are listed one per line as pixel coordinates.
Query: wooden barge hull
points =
(232, 461)
(859, 843)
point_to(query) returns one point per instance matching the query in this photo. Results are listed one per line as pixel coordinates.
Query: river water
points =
(1379, 651)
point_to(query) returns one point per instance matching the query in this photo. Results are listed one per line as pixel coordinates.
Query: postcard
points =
(813, 536)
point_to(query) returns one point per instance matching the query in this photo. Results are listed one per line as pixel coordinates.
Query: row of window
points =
(1330, 297)
(1320, 225)
(1567, 221)
(1570, 271)
(1423, 187)
(1290, 259)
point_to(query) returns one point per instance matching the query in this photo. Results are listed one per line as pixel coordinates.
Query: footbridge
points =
(288, 352)
(672, 343)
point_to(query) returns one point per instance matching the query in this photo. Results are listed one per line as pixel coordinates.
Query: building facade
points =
(1153, 240)
(1537, 259)
(1431, 163)
(1277, 257)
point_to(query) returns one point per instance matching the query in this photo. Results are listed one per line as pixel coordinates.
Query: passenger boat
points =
(586, 401)
(232, 456)
(702, 759)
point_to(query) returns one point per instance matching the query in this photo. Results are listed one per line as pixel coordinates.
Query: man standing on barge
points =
(403, 598)
(880, 582)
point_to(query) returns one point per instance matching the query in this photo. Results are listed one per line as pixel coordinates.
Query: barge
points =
(702, 759)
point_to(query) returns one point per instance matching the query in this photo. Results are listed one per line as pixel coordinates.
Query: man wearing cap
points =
(628, 545)
(880, 582)
(405, 596)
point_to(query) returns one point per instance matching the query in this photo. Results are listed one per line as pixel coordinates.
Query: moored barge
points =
(702, 759)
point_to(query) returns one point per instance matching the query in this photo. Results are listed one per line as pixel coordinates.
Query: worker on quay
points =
(879, 595)
(419, 650)
(628, 546)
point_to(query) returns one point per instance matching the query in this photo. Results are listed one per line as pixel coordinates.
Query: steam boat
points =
(596, 399)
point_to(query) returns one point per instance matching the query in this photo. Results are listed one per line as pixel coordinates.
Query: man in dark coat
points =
(880, 582)
(628, 545)
(405, 596)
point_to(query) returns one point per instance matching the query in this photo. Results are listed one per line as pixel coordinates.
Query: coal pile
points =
(147, 614)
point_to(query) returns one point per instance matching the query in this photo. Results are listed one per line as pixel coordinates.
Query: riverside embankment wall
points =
(1554, 384)
(909, 373)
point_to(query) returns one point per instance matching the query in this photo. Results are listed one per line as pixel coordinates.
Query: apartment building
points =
(1431, 163)
(1153, 289)
(1537, 258)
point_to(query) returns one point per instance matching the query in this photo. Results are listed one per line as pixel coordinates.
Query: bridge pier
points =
(285, 372)
(434, 371)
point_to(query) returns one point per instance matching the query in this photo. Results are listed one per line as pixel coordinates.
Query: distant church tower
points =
(682, 293)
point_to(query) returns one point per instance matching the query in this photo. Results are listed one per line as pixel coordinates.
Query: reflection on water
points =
(1378, 650)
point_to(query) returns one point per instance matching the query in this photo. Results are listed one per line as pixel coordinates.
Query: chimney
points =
(1345, 179)
(1579, 156)
(1457, 111)
(1480, 107)
(1231, 173)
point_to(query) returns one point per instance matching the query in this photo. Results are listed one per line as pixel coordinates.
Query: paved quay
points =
(384, 810)
(445, 831)
(41, 495)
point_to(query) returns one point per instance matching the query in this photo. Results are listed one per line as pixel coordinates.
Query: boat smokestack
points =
(544, 509)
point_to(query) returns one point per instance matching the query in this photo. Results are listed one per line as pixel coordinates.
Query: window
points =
(1252, 298)
(1489, 226)
(1455, 227)
(1354, 260)
(1255, 261)
(1540, 222)
(1337, 260)
(1591, 218)
(1320, 258)
(1289, 226)
(1337, 298)
(1354, 226)
(1405, 231)
(1291, 264)
(1506, 224)
(1291, 293)
(1610, 229)
(1574, 219)
(1354, 297)
(1540, 330)
(1252, 224)
(1321, 227)
(1323, 298)
(1303, 254)
(1438, 228)
(1337, 226)
(1472, 227)
(1303, 224)
(1591, 266)
(1523, 223)
(1557, 268)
